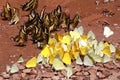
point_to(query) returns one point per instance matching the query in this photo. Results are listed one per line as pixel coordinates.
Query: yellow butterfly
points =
(66, 40)
(67, 58)
(46, 51)
(32, 62)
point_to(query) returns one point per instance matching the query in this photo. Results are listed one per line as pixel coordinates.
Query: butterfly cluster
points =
(10, 14)
(76, 45)
(63, 49)
(39, 26)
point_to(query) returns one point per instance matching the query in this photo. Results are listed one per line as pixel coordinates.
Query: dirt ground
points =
(92, 18)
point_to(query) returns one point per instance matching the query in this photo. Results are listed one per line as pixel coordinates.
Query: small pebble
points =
(108, 65)
(21, 67)
(77, 68)
(118, 9)
(5, 75)
(32, 77)
(86, 73)
(46, 79)
(112, 0)
(105, 1)
(93, 74)
(14, 56)
(78, 73)
(118, 77)
(115, 24)
(80, 78)
(34, 71)
(47, 74)
(97, 2)
(23, 75)
(26, 70)
(63, 72)
(55, 77)
(1, 78)
(16, 76)
(61, 75)
(12, 62)
(100, 75)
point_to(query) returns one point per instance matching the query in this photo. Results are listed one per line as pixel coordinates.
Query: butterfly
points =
(32, 4)
(21, 38)
(87, 61)
(64, 21)
(74, 22)
(107, 32)
(13, 69)
(58, 11)
(32, 62)
(7, 12)
(42, 13)
(58, 64)
(20, 60)
(15, 17)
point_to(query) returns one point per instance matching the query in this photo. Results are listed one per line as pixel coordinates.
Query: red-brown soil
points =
(92, 18)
